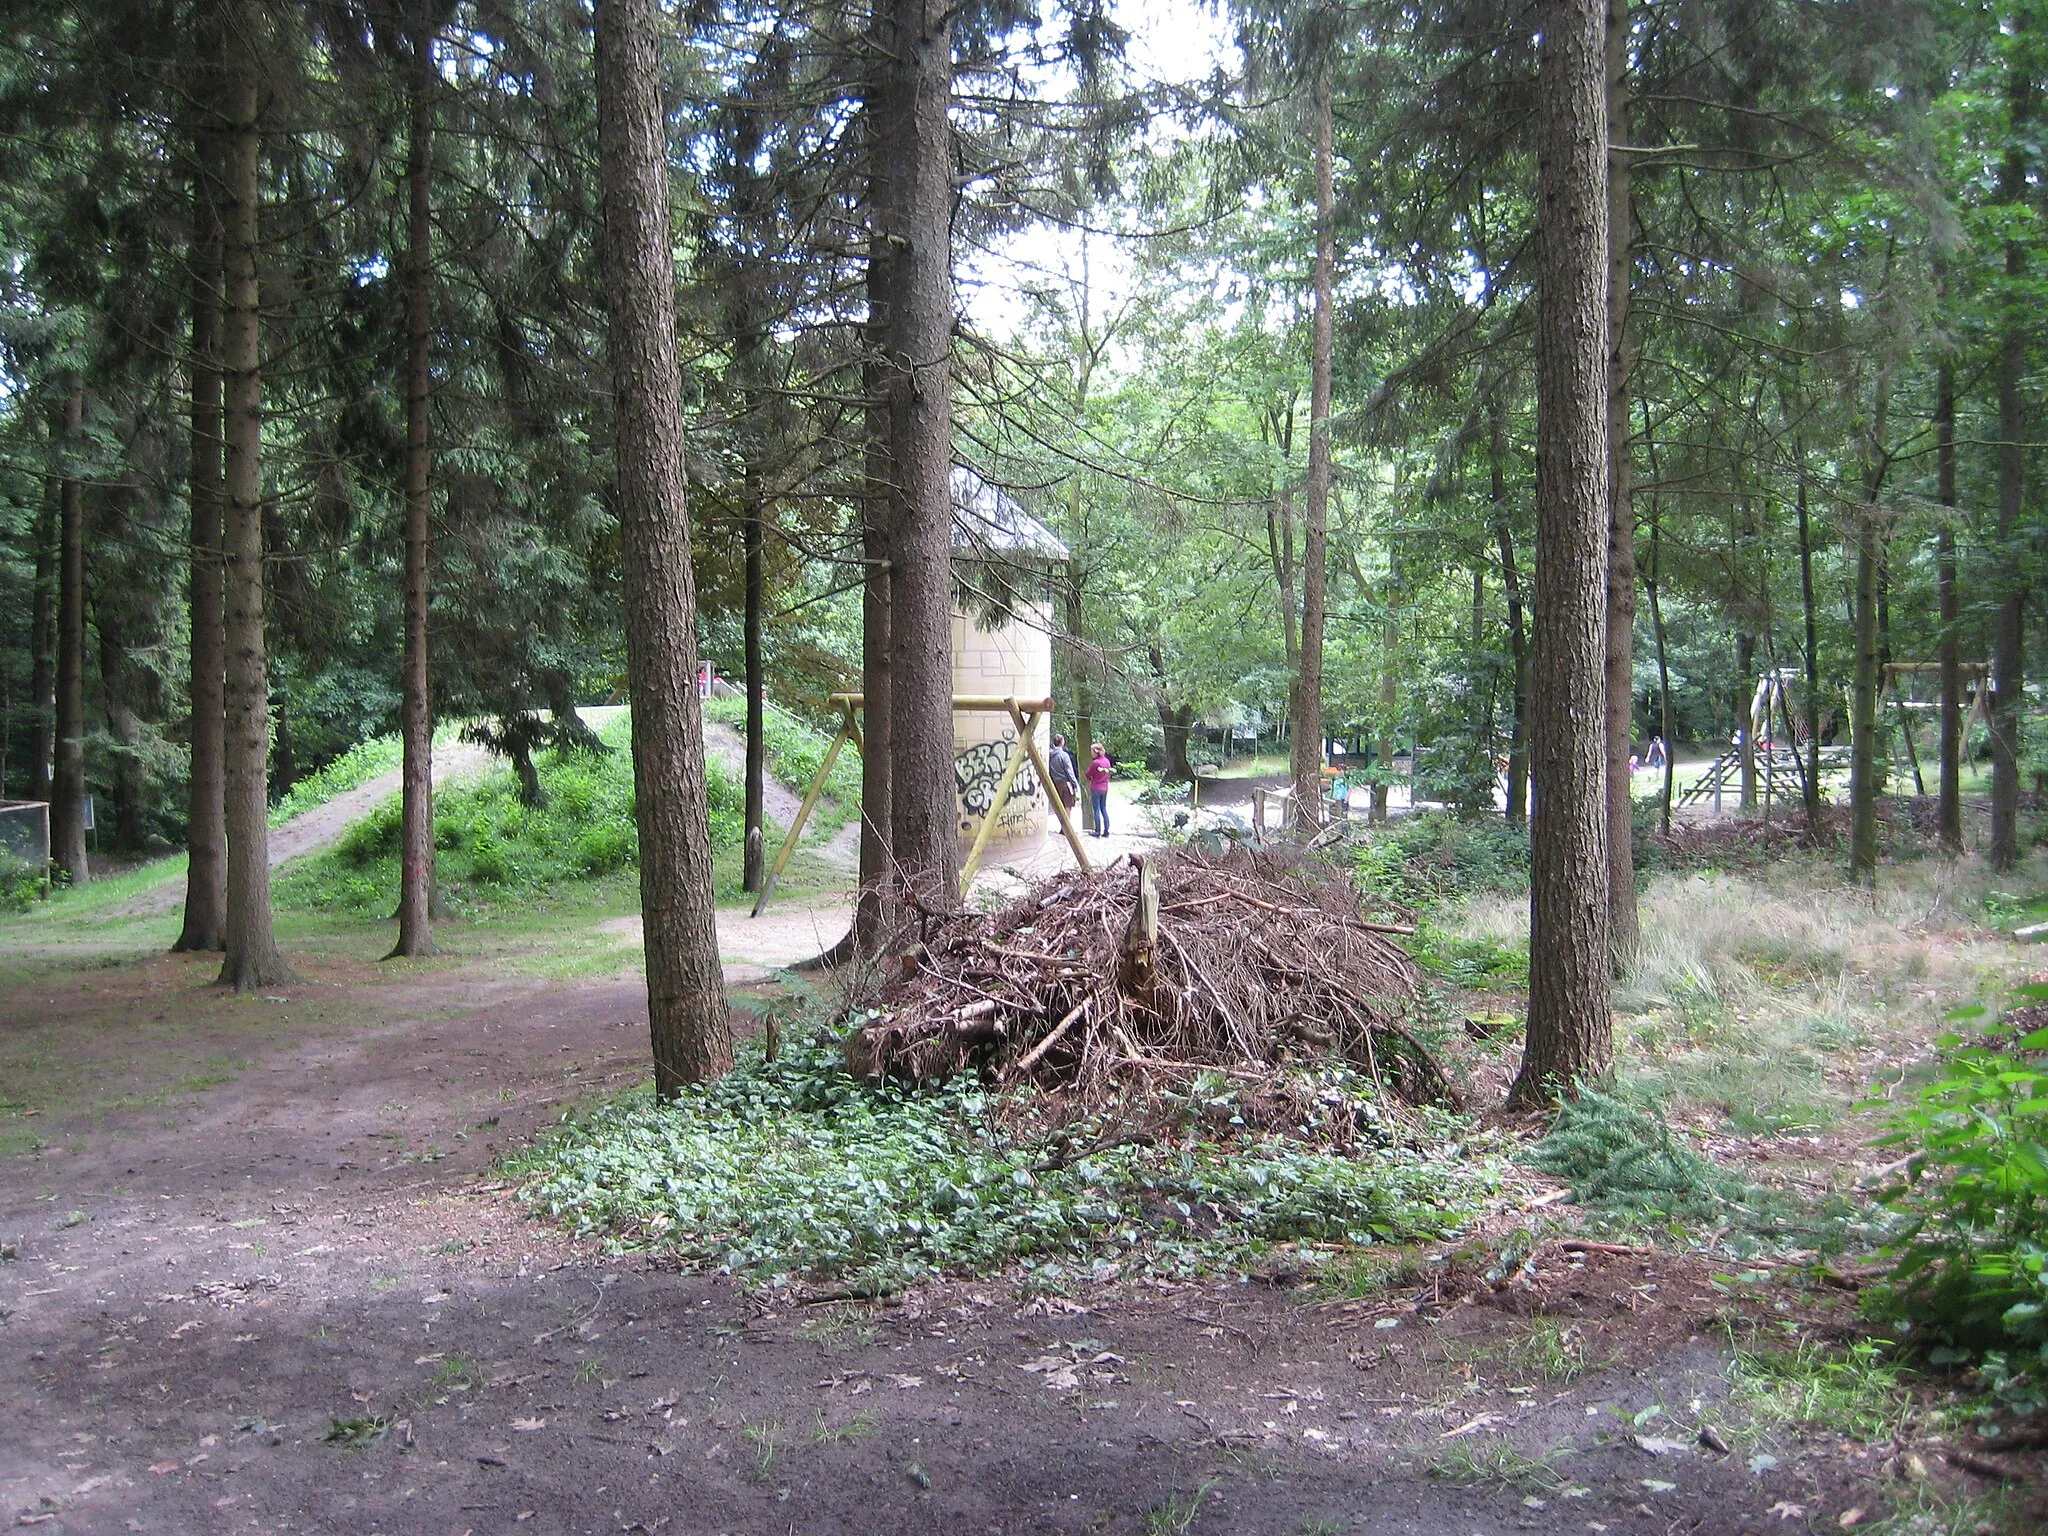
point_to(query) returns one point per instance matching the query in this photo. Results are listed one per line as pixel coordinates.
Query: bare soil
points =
(244, 1222)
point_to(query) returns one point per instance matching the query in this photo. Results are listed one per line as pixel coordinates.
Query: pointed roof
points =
(990, 523)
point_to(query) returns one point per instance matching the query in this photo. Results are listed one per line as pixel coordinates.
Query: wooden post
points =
(1059, 808)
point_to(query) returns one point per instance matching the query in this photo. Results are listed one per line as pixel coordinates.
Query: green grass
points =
(796, 1168)
(493, 851)
(1860, 1392)
(1499, 1462)
(795, 753)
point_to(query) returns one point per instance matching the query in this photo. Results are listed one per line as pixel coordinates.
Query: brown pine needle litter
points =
(1252, 962)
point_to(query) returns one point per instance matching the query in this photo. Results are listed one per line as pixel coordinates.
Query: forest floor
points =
(262, 1273)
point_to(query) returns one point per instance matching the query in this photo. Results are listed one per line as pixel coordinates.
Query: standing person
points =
(1098, 786)
(1066, 783)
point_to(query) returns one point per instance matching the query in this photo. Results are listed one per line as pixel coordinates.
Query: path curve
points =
(313, 830)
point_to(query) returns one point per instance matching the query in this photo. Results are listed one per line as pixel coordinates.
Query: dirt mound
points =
(1250, 962)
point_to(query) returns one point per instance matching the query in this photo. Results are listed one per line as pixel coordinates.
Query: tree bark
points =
(1518, 706)
(416, 784)
(67, 786)
(1864, 784)
(42, 644)
(205, 922)
(252, 958)
(1951, 831)
(923, 820)
(753, 539)
(1810, 786)
(1175, 722)
(1622, 932)
(1570, 1031)
(1307, 753)
(1863, 705)
(1518, 641)
(1390, 697)
(690, 1029)
(870, 922)
(1663, 663)
(1084, 704)
(2008, 665)
(1745, 671)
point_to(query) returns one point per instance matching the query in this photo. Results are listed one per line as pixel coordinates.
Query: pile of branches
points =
(1251, 962)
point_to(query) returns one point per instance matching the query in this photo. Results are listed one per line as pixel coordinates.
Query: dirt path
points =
(779, 801)
(315, 829)
(202, 1280)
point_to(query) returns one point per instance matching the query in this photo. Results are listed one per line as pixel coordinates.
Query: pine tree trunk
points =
(252, 958)
(1390, 697)
(67, 787)
(1570, 1031)
(1951, 613)
(416, 783)
(1307, 755)
(42, 645)
(1084, 706)
(754, 540)
(690, 1029)
(2008, 634)
(1621, 521)
(1863, 705)
(923, 819)
(205, 924)
(1810, 788)
(1664, 726)
(1745, 672)
(1518, 641)
(870, 924)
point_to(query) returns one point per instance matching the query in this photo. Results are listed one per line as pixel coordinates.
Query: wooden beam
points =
(803, 814)
(1026, 723)
(1059, 806)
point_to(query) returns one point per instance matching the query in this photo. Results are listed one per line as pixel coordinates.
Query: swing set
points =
(1024, 716)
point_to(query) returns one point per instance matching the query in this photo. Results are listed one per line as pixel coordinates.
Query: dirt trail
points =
(779, 801)
(199, 1287)
(315, 829)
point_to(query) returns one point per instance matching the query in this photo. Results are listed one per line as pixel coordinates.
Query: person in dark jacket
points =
(1066, 783)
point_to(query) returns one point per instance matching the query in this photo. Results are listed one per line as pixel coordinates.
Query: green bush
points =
(796, 1168)
(1972, 1268)
(375, 837)
(21, 884)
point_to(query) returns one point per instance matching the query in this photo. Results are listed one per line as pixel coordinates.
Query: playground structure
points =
(1024, 717)
(1766, 759)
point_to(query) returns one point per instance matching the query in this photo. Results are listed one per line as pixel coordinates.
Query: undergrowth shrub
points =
(1617, 1155)
(795, 1167)
(1624, 1162)
(1972, 1272)
(21, 883)
(1438, 859)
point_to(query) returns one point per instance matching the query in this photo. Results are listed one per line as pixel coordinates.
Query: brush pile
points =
(1251, 962)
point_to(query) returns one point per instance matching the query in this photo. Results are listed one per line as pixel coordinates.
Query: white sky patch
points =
(1172, 41)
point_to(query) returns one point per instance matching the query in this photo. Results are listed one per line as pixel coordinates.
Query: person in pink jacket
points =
(1098, 786)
